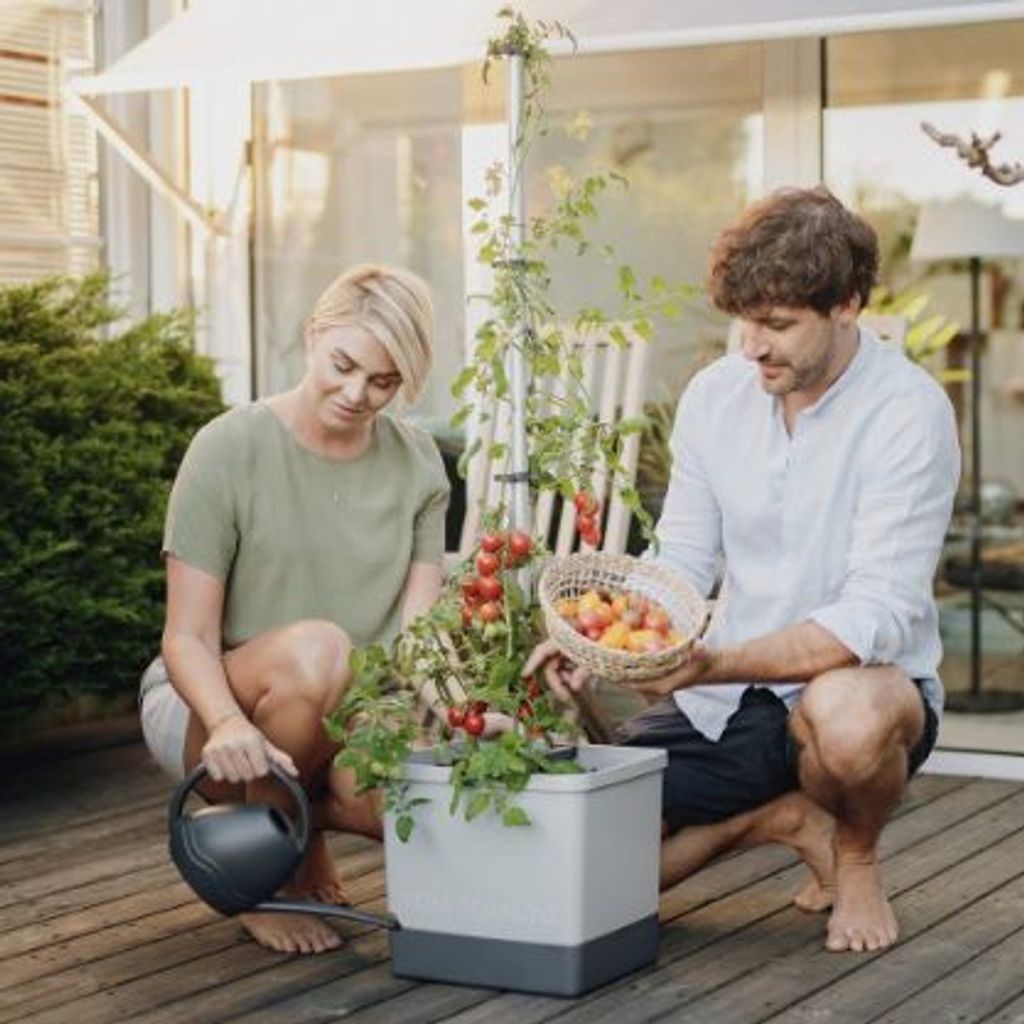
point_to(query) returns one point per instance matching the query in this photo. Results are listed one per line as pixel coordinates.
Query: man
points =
(816, 471)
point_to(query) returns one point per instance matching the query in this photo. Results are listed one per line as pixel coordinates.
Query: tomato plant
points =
(470, 648)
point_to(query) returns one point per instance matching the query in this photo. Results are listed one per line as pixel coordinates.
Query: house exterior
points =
(254, 149)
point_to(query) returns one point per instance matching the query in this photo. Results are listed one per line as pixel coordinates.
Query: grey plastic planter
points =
(557, 907)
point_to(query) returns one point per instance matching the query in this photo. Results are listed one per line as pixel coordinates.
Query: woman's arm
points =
(422, 588)
(191, 643)
(235, 749)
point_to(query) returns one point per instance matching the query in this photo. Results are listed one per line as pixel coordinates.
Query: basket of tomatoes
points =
(619, 617)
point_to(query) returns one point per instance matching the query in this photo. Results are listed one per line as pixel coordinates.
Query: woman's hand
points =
(563, 678)
(236, 751)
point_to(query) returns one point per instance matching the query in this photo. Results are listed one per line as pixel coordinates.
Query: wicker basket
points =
(574, 575)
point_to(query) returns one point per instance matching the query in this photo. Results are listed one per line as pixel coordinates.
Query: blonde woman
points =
(299, 526)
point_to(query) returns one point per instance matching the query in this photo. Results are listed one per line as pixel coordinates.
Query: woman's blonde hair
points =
(394, 306)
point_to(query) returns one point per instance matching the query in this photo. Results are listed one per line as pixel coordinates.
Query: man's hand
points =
(238, 752)
(698, 667)
(563, 678)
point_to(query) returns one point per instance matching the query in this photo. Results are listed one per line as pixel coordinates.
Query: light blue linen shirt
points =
(840, 523)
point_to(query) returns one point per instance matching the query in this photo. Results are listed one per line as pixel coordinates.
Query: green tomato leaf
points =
(515, 817)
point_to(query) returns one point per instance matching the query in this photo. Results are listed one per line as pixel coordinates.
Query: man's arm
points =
(794, 654)
(690, 527)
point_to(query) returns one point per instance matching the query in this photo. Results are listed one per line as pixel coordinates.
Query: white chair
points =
(615, 375)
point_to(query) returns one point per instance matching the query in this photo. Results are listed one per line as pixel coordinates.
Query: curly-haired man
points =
(814, 474)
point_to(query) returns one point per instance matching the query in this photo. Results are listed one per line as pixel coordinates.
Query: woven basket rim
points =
(611, 663)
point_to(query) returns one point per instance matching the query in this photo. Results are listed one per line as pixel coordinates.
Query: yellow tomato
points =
(644, 641)
(566, 607)
(615, 636)
(589, 601)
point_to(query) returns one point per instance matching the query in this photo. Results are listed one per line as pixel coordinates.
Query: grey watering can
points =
(236, 856)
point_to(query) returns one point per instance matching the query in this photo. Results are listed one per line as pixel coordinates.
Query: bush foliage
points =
(94, 419)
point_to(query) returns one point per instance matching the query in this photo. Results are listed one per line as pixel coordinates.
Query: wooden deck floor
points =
(95, 926)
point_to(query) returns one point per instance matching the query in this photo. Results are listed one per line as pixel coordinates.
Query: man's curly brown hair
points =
(799, 248)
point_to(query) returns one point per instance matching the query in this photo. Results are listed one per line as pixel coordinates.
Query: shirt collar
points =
(866, 341)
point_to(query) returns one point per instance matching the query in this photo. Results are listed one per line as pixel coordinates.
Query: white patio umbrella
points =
(244, 41)
(262, 40)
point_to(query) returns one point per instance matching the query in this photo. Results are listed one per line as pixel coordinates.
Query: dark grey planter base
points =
(524, 966)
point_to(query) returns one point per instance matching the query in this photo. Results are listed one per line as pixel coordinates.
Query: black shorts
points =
(754, 761)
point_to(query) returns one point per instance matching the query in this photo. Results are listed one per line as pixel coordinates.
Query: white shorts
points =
(164, 719)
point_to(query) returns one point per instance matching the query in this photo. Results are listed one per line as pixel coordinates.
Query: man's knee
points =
(853, 724)
(313, 664)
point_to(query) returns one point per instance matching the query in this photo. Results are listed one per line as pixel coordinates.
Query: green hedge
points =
(95, 416)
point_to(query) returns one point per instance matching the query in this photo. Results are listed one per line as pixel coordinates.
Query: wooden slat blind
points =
(49, 209)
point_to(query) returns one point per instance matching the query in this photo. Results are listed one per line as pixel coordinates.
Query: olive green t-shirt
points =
(295, 535)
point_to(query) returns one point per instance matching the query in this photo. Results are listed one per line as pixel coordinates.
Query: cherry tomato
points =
(456, 717)
(657, 619)
(585, 503)
(520, 545)
(467, 616)
(474, 723)
(591, 537)
(487, 564)
(586, 523)
(489, 588)
(470, 590)
(492, 542)
(533, 688)
(489, 611)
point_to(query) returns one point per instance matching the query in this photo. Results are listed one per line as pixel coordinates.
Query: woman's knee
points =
(311, 664)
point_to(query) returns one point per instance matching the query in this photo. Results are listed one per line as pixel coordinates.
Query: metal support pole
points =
(519, 488)
(976, 580)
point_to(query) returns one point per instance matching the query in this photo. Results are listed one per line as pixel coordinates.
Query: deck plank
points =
(96, 926)
(701, 939)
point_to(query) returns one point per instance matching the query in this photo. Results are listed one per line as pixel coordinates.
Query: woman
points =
(298, 527)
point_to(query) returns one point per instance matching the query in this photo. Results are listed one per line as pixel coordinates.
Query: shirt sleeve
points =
(201, 527)
(428, 528)
(900, 521)
(689, 531)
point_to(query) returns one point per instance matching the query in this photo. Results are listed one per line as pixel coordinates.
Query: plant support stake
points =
(519, 484)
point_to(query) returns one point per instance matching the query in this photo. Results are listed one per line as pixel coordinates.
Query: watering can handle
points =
(301, 834)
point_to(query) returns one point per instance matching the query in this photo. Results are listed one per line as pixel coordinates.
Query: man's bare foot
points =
(799, 823)
(318, 876)
(291, 933)
(862, 920)
(814, 896)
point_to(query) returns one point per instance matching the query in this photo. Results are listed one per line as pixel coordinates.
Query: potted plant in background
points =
(552, 886)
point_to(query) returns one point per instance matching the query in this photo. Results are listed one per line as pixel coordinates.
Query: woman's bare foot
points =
(291, 933)
(863, 919)
(318, 876)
